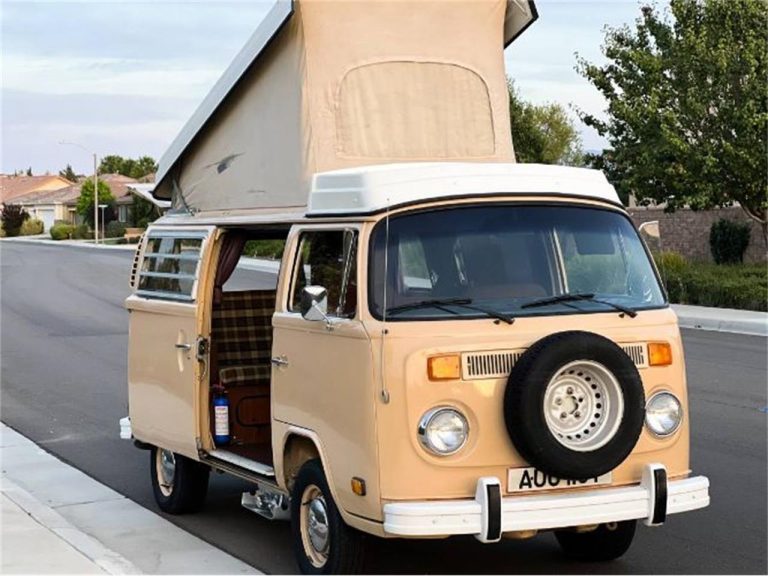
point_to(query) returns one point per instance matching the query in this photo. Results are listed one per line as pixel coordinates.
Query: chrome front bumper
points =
(489, 515)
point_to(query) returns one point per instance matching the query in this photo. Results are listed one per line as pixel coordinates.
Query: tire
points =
(607, 542)
(342, 549)
(180, 487)
(574, 405)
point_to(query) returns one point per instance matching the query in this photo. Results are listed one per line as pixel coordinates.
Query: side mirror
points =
(314, 303)
(651, 228)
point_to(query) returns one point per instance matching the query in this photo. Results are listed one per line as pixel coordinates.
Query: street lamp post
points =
(103, 220)
(95, 200)
(95, 190)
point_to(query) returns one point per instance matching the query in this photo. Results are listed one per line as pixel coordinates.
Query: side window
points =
(328, 258)
(170, 267)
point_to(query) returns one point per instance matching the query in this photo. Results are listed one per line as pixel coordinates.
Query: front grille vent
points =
(499, 363)
(489, 364)
(637, 353)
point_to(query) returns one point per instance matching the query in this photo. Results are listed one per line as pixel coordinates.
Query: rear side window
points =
(170, 267)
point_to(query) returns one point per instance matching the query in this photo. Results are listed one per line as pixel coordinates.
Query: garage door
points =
(47, 215)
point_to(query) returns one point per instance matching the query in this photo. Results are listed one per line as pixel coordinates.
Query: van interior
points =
(241, 344)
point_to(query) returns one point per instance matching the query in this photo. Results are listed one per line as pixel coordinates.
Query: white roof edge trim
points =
(145, 191)
(273, 21)
(520, 15)
(371, 189)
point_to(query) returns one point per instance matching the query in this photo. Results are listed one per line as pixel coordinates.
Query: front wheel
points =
(322, 542)
(607, 542)
(180, 485)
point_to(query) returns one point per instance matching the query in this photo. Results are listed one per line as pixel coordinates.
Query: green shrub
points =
(272, 249)
(82, 232)
(61, 231)
(728, 241)
(738, 286)
(115, 229)
(12, 218)
(32, 227)
(2, 232)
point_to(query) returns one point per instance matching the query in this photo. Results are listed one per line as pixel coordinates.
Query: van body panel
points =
(490, 451)
(327, 387)
(164, 371)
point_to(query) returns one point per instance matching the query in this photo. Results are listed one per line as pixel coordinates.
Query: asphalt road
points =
(63, 372)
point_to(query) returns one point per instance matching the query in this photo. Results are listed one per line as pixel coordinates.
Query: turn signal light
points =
(444, 367)
(659, 354)
(358, 486)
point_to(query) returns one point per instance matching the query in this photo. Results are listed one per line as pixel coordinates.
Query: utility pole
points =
(95, 200)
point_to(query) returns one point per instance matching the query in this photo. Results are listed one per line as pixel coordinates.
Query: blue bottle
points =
(220, 416)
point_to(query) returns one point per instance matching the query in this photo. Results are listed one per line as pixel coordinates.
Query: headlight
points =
(443, 431)
(663, 414)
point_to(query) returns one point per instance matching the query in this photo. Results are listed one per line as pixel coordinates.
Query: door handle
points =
(185, 347)
(280, 361)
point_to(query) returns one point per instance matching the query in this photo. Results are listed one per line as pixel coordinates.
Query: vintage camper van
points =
(453, 343)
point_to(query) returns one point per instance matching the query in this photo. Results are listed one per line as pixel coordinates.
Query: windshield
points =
(502, 257)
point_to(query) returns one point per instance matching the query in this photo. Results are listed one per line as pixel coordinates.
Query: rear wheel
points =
(180, 485)
(322, 542)
(606, 542)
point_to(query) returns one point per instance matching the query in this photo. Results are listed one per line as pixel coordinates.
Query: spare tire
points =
(574, 405)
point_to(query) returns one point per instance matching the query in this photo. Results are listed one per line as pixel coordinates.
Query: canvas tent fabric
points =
(352, 83)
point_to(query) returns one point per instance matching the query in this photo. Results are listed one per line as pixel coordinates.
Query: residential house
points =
(61, 204)
(14, 186)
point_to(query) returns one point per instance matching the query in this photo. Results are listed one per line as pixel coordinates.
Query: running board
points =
(241, 462)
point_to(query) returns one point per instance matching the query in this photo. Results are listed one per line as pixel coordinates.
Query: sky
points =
(123, 76)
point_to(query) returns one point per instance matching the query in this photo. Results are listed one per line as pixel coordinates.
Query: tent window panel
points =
(414, 110)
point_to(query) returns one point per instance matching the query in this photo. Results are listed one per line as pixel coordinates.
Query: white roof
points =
(520, 15)
(370, 189)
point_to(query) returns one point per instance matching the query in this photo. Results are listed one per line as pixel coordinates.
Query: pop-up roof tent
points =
(330, 84)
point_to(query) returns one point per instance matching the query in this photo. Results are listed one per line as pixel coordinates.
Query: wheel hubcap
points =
(165, 465)
(583, 405)
(315, 530)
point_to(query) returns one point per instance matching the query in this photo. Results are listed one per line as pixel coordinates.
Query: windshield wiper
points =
(442, 304)
(565, 298)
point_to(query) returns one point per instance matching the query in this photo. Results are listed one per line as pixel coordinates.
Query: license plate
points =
(530, 480)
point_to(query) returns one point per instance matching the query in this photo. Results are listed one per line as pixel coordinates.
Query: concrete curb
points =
(114, 533)
(722, 319)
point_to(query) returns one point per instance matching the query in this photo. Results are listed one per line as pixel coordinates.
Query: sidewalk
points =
(58, 520)
(722, 319)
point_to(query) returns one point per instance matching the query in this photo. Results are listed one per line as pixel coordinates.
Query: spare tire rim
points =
(583, 405)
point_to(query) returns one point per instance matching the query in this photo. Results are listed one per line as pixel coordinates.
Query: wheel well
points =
(298, 450)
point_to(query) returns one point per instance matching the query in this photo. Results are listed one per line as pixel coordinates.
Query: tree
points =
(605, 161)
(29, 171)
(143, 212)
(543, 134)
(114, 164)
(688, 104)
(68, 173)
(85, 202)
(12, 219)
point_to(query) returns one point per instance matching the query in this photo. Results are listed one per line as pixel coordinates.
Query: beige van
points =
(451, 344)
(448, 349)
